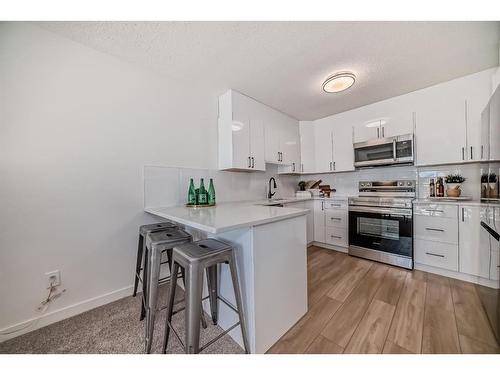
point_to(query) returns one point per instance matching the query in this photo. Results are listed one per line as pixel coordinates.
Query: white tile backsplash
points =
(168, 186)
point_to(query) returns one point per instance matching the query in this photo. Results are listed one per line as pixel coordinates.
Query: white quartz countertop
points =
(226, 216)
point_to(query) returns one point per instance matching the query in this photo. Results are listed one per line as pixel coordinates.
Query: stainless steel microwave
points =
(384, 151)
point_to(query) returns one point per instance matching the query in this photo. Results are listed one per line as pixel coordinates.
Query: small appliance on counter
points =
(381, 222)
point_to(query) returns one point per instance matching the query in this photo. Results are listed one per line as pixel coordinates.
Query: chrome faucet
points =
(269, 194)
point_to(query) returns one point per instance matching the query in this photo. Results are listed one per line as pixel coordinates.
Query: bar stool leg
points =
(170, 303)
(145, 277)
(138, 264)
(154, 275)
(194, 288)
(212, 291)
(183, 275)
(239, 304)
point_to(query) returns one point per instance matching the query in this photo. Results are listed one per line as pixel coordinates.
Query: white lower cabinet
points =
(330, 225)
(436, 254)
(474, 251)
(306, 205)
(336, 236)
(450, 237)
(436, 235)
(495, 265)
(319, 221)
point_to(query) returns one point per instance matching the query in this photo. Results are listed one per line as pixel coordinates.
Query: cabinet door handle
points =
(463, 153)
(378, 132)
(293, 167)
(322, 205)
(249, 162)
(330, 166)
(471, 158)
(334, 168)
(430, 210)
(435, 229)
(435, 255)
(332, 236)
(383, 132)
(253, 162)
(281, 157)
(482, 155)
(463, 214)
(335, 218)
(302, 167)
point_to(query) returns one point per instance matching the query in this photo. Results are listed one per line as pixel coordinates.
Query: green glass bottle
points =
(211, 193)
(202, 194)
(191, 193)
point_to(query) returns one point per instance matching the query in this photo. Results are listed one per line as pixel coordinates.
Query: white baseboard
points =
(457, 275)
(65, 312)
(330, 247)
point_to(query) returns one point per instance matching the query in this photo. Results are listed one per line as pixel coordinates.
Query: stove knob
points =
(400, 183)
(409, 183)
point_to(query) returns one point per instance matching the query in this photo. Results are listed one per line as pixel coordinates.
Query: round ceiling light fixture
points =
(339, 82)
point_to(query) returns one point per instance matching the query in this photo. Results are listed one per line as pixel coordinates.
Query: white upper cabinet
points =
(282, 141)
(494, 127)
(333, 144)
(440, 125)
(272, 129)
(387, 118)
(477, 89)
(343, 152)
(241, 133)
(290, 147)
(257, 147)
(307, 147)
(448, 120)
(323, 145)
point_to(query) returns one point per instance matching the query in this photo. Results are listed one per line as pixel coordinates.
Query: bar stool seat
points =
(144, 230)
(195, 257)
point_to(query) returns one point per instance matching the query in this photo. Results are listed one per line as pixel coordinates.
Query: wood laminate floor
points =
(359, 306)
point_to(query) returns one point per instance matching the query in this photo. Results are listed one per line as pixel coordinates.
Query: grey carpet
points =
(114, 328)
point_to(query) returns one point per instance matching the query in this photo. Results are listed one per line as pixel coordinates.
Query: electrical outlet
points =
(53, 278)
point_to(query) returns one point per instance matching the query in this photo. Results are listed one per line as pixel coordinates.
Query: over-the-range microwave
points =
(384, 151)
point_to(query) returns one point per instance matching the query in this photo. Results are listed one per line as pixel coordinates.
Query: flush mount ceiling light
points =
(339, 82)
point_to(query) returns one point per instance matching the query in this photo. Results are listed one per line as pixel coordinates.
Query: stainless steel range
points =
(381, 222)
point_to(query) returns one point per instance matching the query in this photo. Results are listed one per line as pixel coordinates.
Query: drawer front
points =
(440, 229)
(437, 254)
(495, 264)
(335, 205)
(336, 218)
(336, 236)
(436, 210)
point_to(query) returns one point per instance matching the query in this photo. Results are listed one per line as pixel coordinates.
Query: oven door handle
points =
(382, 210)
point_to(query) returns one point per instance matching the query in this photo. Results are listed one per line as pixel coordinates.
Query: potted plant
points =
(456, 180)
(493, 186)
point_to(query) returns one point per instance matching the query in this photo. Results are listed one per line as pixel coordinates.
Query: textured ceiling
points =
(283, 64)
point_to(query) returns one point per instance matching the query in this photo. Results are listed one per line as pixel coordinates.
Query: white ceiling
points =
(283, 64)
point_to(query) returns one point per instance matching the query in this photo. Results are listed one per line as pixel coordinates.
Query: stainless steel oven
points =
(385, 151)
(381, 222)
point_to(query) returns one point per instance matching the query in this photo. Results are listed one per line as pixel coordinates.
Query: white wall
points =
(76, 129)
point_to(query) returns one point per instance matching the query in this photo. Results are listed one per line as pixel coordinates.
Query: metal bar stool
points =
(156, 244)
(140, 265)
(195, 257)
